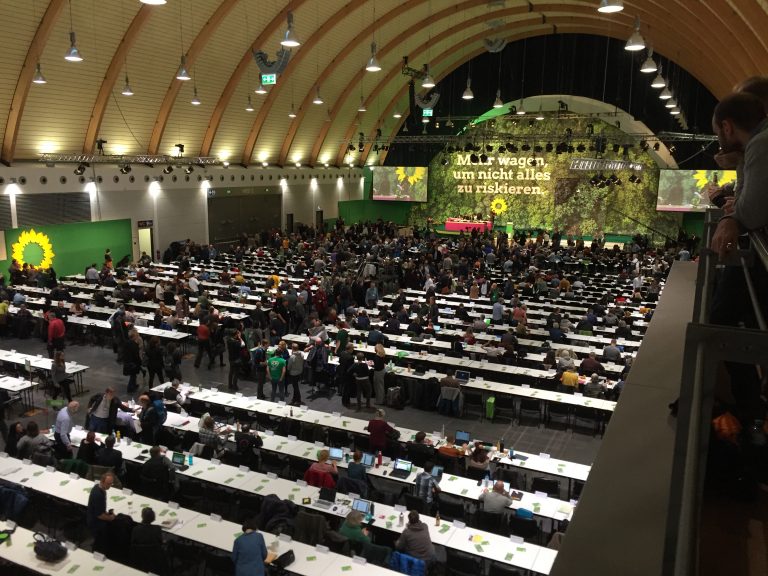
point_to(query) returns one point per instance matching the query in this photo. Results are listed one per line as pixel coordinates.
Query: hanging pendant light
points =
(154, 2)
(182, 73)
(260, 89)
(659, 81)
(397, 114)
(649, 65)
(249, 106)
(290, 40)
(671, 103)
(127, 90)
(318, 99)
(610, 6)
(362, 107)
(540, 115)
(73, 54)
(38, 78)
(195, 100)
(292, 113)
(498, 103)
(665, 94)
(373, 63)
(521, 109)
(428, 81)
(468, 94)
(636, 41)
(675, 111)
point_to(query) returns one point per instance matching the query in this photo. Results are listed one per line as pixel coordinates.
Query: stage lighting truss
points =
(120, 160)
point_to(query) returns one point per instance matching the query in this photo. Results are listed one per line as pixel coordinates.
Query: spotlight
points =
(483, 158)
(549, 147)
(656, 147)
(525, 147)
(473, 158)
(468, 147)
(81, 168)
(502, 149)
(672, 149)
(189, 170)
(613, 178)
(168, 169)
(616, 148)
(444, 161)
(511, 147)
(643, 145)
(632, 178)
(125, 169)
(538, 149)
(488, 148)
(581, 148)
(590, 128)
(514, 149)
(351, 147)
(594, 180)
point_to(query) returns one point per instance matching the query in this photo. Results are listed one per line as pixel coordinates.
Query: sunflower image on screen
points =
(401, 183)
(688, 190)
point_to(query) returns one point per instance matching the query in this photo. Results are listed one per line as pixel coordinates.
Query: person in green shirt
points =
(276, 372)
(352, 528)
(342, 337)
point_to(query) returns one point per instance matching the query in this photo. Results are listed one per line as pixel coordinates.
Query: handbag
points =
(48, 549)
(393, 434)
(284, 560)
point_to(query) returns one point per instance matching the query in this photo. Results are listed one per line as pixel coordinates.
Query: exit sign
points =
(426, 112)
(267, 79)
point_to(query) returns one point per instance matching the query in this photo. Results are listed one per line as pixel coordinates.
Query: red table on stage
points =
(458, 225)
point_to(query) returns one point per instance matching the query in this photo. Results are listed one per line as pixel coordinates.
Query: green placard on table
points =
(464, 491)
(444, 528)
(228, 480)
(451, 478)
(346, 568)
(520, 549)
(73, 569)
(479, 548)
(98, 568)
(291, 497)
(164, 512)
(295, 489)
(311, 558)
(202, 525)
(62, 483)
(509, 556)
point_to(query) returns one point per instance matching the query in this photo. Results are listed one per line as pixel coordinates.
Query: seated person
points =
(497, 500)
(450, 449)
(590, 365)
(146, 534)
(158, 467)
(209, 436)
(352, 528)
(173, 396)
(355, 470)
(419, 451)
(415, 540)
(324, 464)
(247, 444)
(110, 457)
(479, 459)
(450, 379)
(594, 387)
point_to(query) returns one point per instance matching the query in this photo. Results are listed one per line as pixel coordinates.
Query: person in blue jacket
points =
(249, 552)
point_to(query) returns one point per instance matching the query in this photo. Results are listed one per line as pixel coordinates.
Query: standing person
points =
(249, 553)
(379, 431)
(295, 370)
(276, 371)
(98, 517)
(204, 344)
(150, 421)
(379, 372)
(131, 362)
(344, 380)
(235, 345)
(61, 380)
(172, 361)
(217, 344)
(317, 361)
(259, 364)
(360, 372)
(56, 332)
(62, 444)
(155, 360)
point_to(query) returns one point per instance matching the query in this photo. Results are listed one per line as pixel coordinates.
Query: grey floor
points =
(105, 371)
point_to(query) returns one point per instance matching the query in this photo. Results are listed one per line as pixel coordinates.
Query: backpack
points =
(162, 413)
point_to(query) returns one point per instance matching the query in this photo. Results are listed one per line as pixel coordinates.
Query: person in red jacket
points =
(378, 430)
(56, 332)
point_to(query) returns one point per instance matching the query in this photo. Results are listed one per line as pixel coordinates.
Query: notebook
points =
(368, 460)
(462, 437)
(462, 375)
(402, 469)
(363, 506)
(177, 461)
(336, 454)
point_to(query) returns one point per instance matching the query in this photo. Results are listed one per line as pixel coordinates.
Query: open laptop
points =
(177, 461)
(402, 469)
(437, 472)
(462, 437)
(462, 376)
(369, 460)
(326, 499)
(336, 454)
(363, 506)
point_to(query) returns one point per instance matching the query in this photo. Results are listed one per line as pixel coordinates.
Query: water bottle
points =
(378, 459)
(189, 459)
(401, 521)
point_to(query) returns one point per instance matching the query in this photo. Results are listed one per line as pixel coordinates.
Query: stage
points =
(461, 225)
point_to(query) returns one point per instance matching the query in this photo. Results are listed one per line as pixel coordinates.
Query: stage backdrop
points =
(69, 248)
(539, 190)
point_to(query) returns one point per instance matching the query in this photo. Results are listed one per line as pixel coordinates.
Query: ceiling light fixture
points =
(362, 107)
(521, 110)
(73, 54)
(659, 81)
(498, 103)
(665, 94)
(127, 90)
(468, 94)
(38, 78)
(671, 103)
(290, 40)
(80, 168)
(675, 111)
(636, 41)
(610, 6)
(649, 66)
(182, 73)
(397, 115)
(168, 169)
(125, 169)
(195, 100)
(428, 81)
(249, 106)
(540, 115)
(373, 63)
(318, 99)
(292, 113)
(154, 2)
(260, 89)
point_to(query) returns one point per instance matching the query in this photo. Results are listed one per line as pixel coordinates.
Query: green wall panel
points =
(74, 245)
(354, 211)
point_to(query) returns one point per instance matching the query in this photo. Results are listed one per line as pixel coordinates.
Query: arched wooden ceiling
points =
(719, 42)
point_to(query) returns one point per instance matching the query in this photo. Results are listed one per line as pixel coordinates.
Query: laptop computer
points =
(369, 460)
(177, 461)
(437, 472)
(363, 506)
(402, 469)
(326, 499)
(462, 376)
(336, 454)
(462, 437)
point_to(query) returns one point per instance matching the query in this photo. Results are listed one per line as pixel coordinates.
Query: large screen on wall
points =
(400, 183)
(688, 190)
